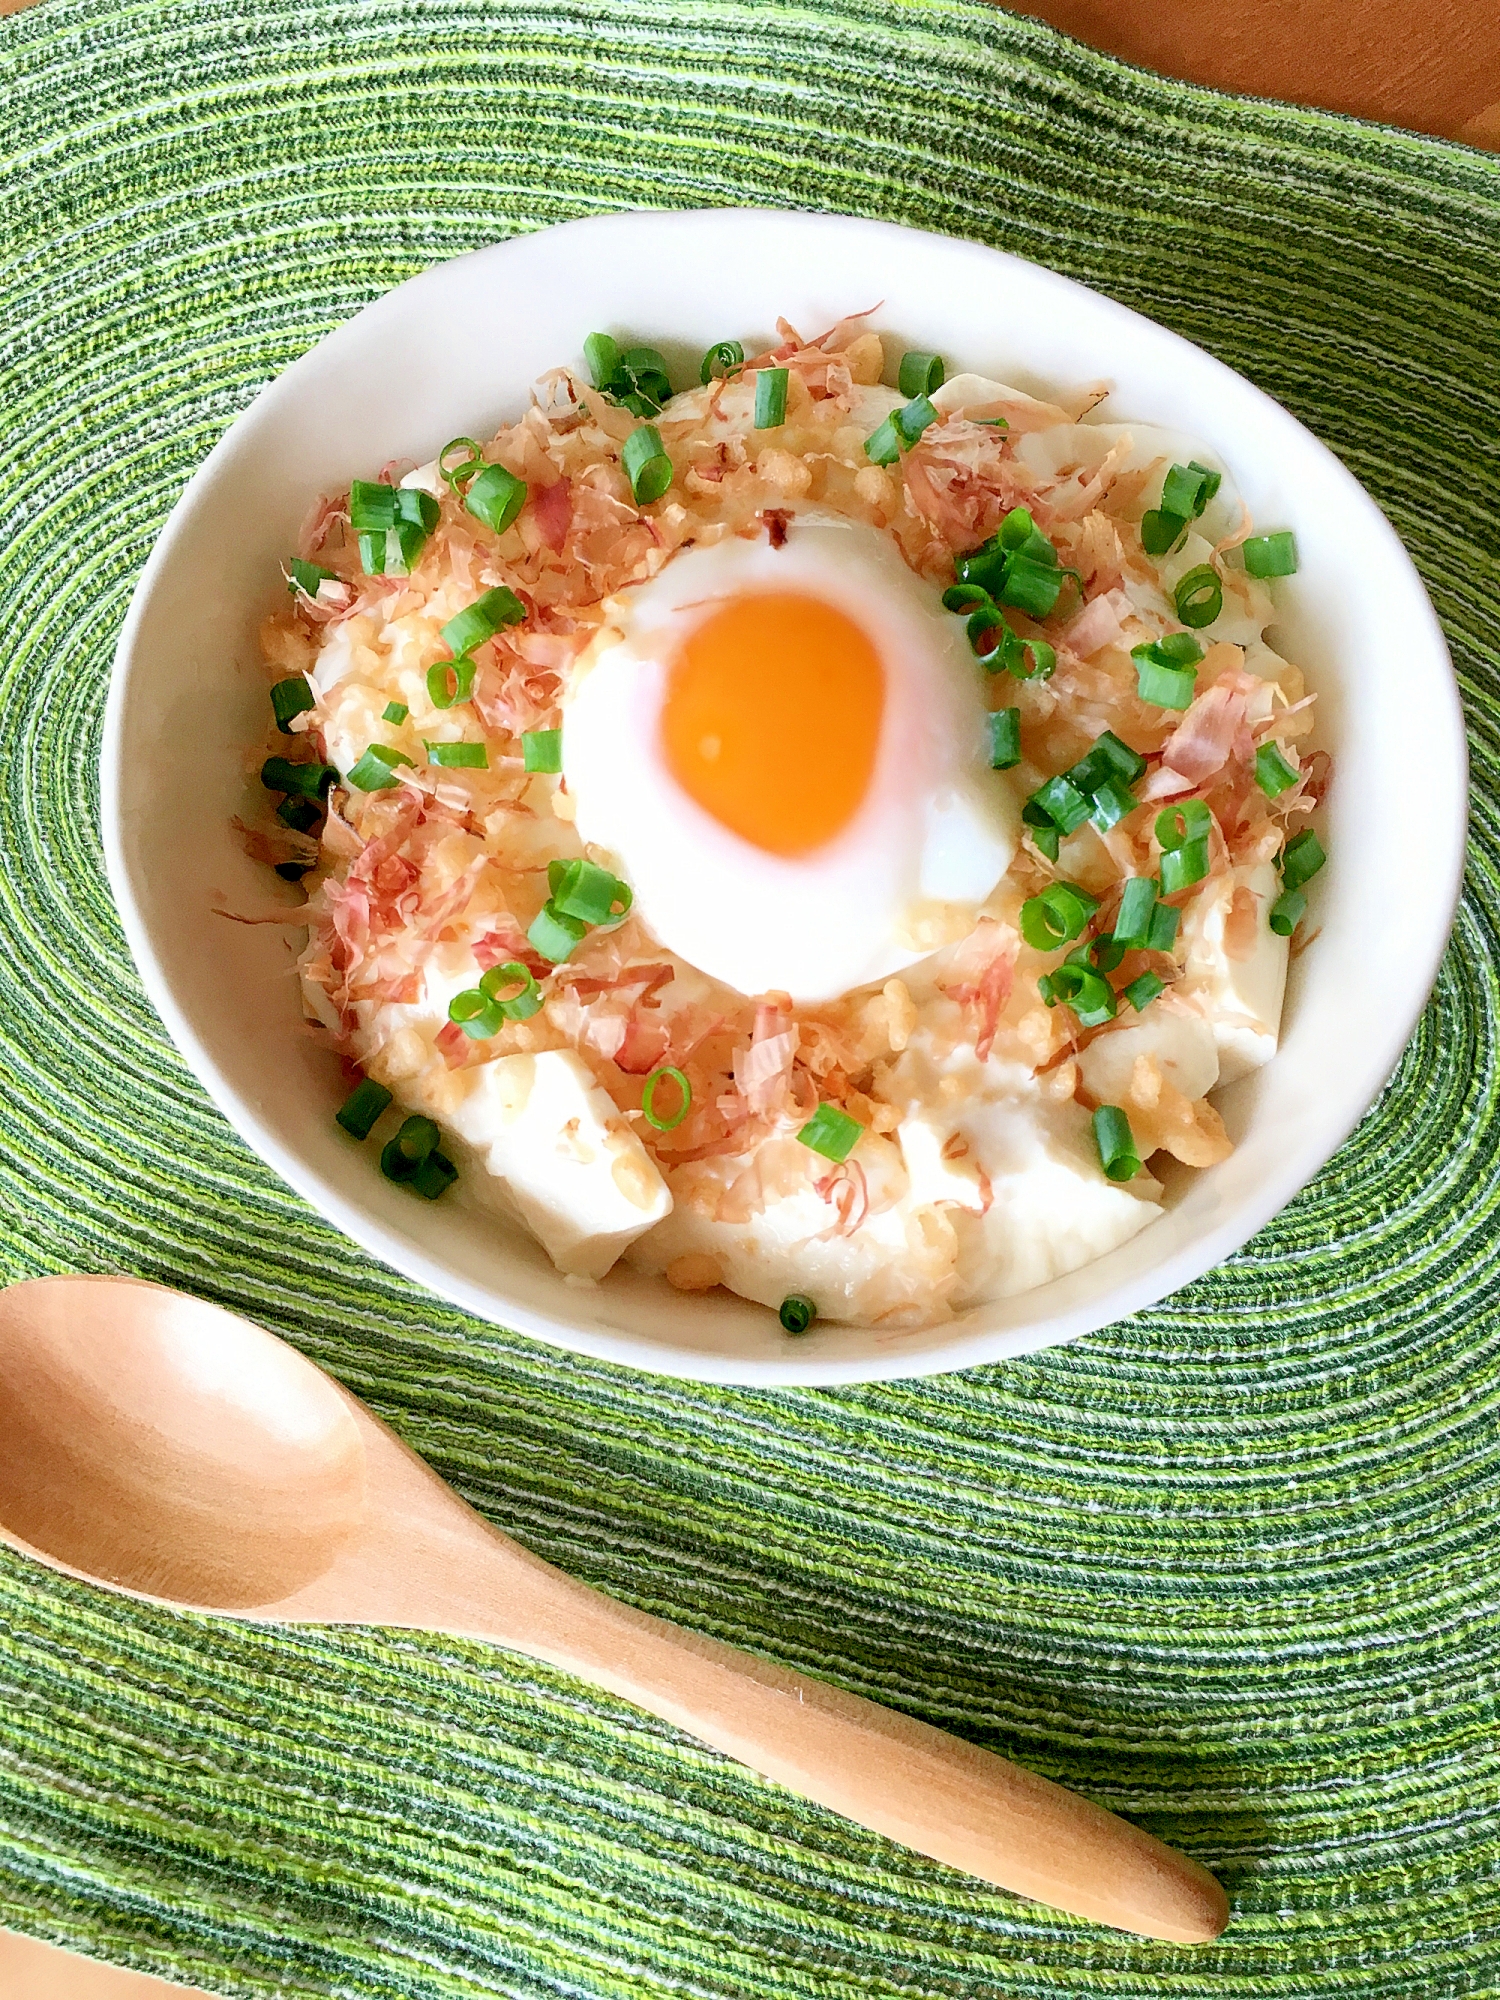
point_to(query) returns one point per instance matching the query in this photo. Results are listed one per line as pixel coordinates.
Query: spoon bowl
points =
(162, 1447)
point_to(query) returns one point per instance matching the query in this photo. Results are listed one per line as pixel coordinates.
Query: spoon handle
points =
(900, 1777)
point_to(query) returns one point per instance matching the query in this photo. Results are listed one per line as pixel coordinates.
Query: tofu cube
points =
(1241, 996)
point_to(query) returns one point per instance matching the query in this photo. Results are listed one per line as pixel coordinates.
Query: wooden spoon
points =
(167, 1449)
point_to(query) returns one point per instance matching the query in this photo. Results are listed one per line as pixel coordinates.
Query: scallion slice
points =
(458, 756)
(1301, 859)
(1087, 992)
(883, 447)
(1159, 682)
(770, 397)
(541, 750)
(797, 1312)
(1046, 840)
(1019, 535)
(301, 815)
(1112, 802)
(552, 935)
(362, 1110)
(434, 1176)
(450, 682)
(1164, 922)
(1109, 758)
(1287, 912)
(962, 597)
(464, 468)
(1035, 660)
(495, 497)
(372, 506)
(481, 620)
(673, 1119)
(647, 465)
(1187, 489)
(582, 889)
(517, 1006)
(393, 524)
(913, 418)
(1115, 1143)
(1031, 586)
(1062, 802)
(1182, 866)
(306, 576)
(1273, 773)
(1056, 916)
(1176, 825)
(376, 770)
(289, 698)
(919, 374)
(602, 358)
(1005, 738)
(395, 711)
(1161, 531)
(1143, 990)
(1271, 555)
(417, 1138)
(831, 1132)
(1099, 954)
(1133, 919)
(987, 633)
(1199, 596)
(721, 360)
(308, 781)
(476, 1013)
(983, 567)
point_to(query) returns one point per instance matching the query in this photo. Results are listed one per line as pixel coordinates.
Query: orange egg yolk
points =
(772, 719)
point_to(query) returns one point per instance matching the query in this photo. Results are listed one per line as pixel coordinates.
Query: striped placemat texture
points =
(1230, 1567)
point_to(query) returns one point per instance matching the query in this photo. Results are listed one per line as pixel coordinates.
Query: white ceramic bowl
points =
(455, 351)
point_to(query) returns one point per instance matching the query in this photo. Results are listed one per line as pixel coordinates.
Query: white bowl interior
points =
(455, 351)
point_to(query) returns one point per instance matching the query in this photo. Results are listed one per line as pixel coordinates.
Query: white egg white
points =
(935, 833)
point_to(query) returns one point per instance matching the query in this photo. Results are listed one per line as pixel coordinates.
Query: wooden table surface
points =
(1430, 65)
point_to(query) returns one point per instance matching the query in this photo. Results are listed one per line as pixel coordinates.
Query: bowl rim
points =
(800, 1367)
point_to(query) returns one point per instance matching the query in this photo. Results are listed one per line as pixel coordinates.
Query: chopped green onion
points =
(1005, 738)
(979, 625)
(1287, 912)
(1178, 649)
(919, 374)
(395, 711)
(1164, 922)
(1133, 919)
(363, 1108)
(1199, 596)
(393, 524)
(1116, 1144)
(1271, 555)
(1043, 660)
(647, 465)
(541, 749)
(376, 770)
(797, 1312)
(1163, 685)
(1301, 859)
(1099, 954)
(1161, 531)
(308, 781)
(1056, 916)
(372, 506)
(983, 567)
(435, 1176)
(482, 619)
(552, 935)
(648, 1099)
(1109, 758)
(458, 756)
(965, 597)
(913, 418)
(883, 446)
(1087, 992)
(458, 475)
(402, 1156)
(495, 497)
(1187, 489)
(770, 398)
(602, 357)
(1176, 825)
(1142, 991)
(831, 1132)
(288, 698)
(451, 681)
(1112, 802)
(1046, 840)
(306, 576)
(580, 889)
(476, 1013)
(1019, 535)
(720, 360)
(300, 814)
(1065, 806)
(1182, 866)
(514, 1006)
(1031, 586)
(1273, 773)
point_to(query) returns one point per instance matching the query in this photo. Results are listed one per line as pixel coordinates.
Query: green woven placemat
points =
(1230, 1567)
